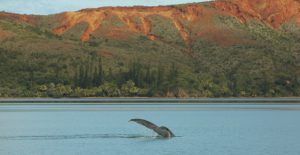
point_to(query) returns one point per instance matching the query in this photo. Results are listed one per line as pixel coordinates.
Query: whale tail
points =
(162, 131)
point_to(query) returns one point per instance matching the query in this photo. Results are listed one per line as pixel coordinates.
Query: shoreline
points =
(149, 101)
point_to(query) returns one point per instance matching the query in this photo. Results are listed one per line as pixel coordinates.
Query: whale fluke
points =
(162, 131)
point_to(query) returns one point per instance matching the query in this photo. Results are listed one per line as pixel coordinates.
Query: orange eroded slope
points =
(95, 17)
(272, 12)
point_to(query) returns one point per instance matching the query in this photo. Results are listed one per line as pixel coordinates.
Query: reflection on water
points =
(149, 107)
(140, 101)
(78, 136)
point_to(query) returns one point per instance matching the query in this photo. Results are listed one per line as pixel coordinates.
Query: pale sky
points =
(56, 6)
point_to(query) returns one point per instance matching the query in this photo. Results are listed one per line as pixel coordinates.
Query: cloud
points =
(56, 6)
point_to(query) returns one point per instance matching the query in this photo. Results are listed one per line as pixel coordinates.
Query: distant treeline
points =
(86, 78)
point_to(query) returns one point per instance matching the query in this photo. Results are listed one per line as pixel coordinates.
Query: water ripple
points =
(76, 136)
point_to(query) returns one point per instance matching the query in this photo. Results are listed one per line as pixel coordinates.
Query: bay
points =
(203, 126)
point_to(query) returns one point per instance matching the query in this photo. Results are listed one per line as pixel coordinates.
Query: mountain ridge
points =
(273, 13)
(243, 10)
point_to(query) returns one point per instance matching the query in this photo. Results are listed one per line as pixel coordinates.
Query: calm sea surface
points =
(100, 126)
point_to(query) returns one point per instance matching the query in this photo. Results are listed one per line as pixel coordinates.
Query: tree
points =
(129, 89)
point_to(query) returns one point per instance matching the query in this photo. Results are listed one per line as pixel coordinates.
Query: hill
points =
(211, 49)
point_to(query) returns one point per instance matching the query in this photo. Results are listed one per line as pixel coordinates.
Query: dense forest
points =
(87, 78)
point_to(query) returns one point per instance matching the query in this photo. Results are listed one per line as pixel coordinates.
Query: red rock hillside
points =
(196, 18)
(273, 12)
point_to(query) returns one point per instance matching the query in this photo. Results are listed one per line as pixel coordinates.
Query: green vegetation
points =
(35, 76)
(36, 63)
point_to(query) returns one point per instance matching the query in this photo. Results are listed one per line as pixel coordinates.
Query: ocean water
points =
(95, 129)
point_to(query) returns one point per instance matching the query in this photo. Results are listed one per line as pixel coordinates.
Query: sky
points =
(44, 7)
